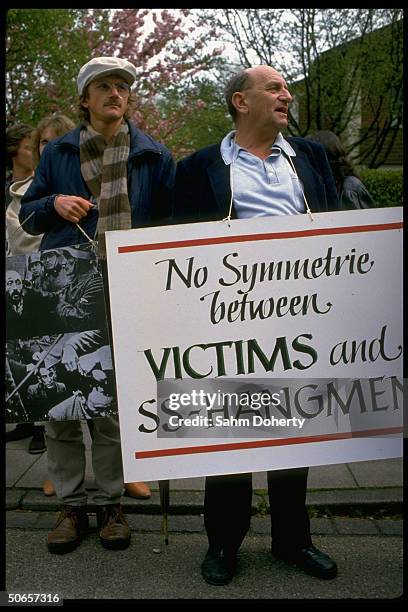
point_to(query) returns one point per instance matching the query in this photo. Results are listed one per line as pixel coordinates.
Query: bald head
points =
(244, 79)
(14, 285)
(258, 100)
(259, 72)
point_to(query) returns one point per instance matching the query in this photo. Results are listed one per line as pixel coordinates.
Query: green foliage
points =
(203, 117)
(385, 186)
(358, 80)
(345, 67)
(45, 49)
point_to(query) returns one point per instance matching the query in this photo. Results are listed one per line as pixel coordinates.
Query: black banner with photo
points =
(58, 355)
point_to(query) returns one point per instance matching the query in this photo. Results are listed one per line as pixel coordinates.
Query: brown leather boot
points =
(67, 534)
(114, 529)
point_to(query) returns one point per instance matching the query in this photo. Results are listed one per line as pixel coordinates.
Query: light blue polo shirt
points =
(263, 187)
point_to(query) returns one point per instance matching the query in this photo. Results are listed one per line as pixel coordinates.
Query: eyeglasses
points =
(122, 88)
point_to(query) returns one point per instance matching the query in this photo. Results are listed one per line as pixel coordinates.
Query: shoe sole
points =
(329, 575)
(37, 452)
(214, 583)
(59, 548)
(219, 581)
(115, 544)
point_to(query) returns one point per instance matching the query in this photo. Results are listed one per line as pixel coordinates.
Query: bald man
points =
(22, 304)
(255, 171)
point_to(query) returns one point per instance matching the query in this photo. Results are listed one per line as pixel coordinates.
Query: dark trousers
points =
(227, 509)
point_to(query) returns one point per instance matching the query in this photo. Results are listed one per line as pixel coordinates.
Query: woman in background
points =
(49, 128)
(351, 190)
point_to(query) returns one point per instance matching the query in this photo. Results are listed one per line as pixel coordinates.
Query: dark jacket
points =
(150, 188)
(40, 399)
(79, 306)
(203, 190)
(37, 317)
(354, 194)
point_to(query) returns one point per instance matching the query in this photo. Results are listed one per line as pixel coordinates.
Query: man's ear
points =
(83, 100)
(239, 101)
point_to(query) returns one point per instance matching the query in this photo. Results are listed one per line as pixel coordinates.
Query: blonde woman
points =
(49, 128)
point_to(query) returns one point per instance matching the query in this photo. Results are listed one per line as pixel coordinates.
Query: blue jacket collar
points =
(139, 141)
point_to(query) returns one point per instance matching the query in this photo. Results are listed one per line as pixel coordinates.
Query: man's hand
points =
(99, 376)
(72, 208)
(69, 358)
(87, 362)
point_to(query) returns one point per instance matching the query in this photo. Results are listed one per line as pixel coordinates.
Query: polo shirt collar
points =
(229, 149)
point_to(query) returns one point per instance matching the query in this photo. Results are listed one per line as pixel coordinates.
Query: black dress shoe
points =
(217, 569)
(21, 431)
(312, 561)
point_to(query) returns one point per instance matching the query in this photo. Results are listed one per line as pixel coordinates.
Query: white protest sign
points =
(267, 298)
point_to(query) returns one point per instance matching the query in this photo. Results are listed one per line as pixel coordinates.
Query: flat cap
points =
(103, 66)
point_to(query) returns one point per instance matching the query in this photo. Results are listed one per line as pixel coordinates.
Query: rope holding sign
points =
(228, 218)
(309, 212)
(81, 229)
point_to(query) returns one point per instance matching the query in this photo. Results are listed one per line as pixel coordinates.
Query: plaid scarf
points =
(104, 169)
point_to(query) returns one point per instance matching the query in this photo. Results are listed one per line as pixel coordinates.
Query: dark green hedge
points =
(385, 186)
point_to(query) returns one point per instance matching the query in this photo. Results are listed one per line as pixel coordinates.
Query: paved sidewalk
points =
(359, 488)
(370, 567)
(356, 517)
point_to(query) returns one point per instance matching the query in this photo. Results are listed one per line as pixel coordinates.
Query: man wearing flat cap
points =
(106, 174)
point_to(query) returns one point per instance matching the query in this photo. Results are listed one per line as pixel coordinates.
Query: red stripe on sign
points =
(253, 237)
(216, 448)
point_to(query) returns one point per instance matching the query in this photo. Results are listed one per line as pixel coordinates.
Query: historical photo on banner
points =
(58, 354)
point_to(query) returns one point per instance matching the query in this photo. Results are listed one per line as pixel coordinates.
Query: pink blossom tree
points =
(46, 48)
(167, 53)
